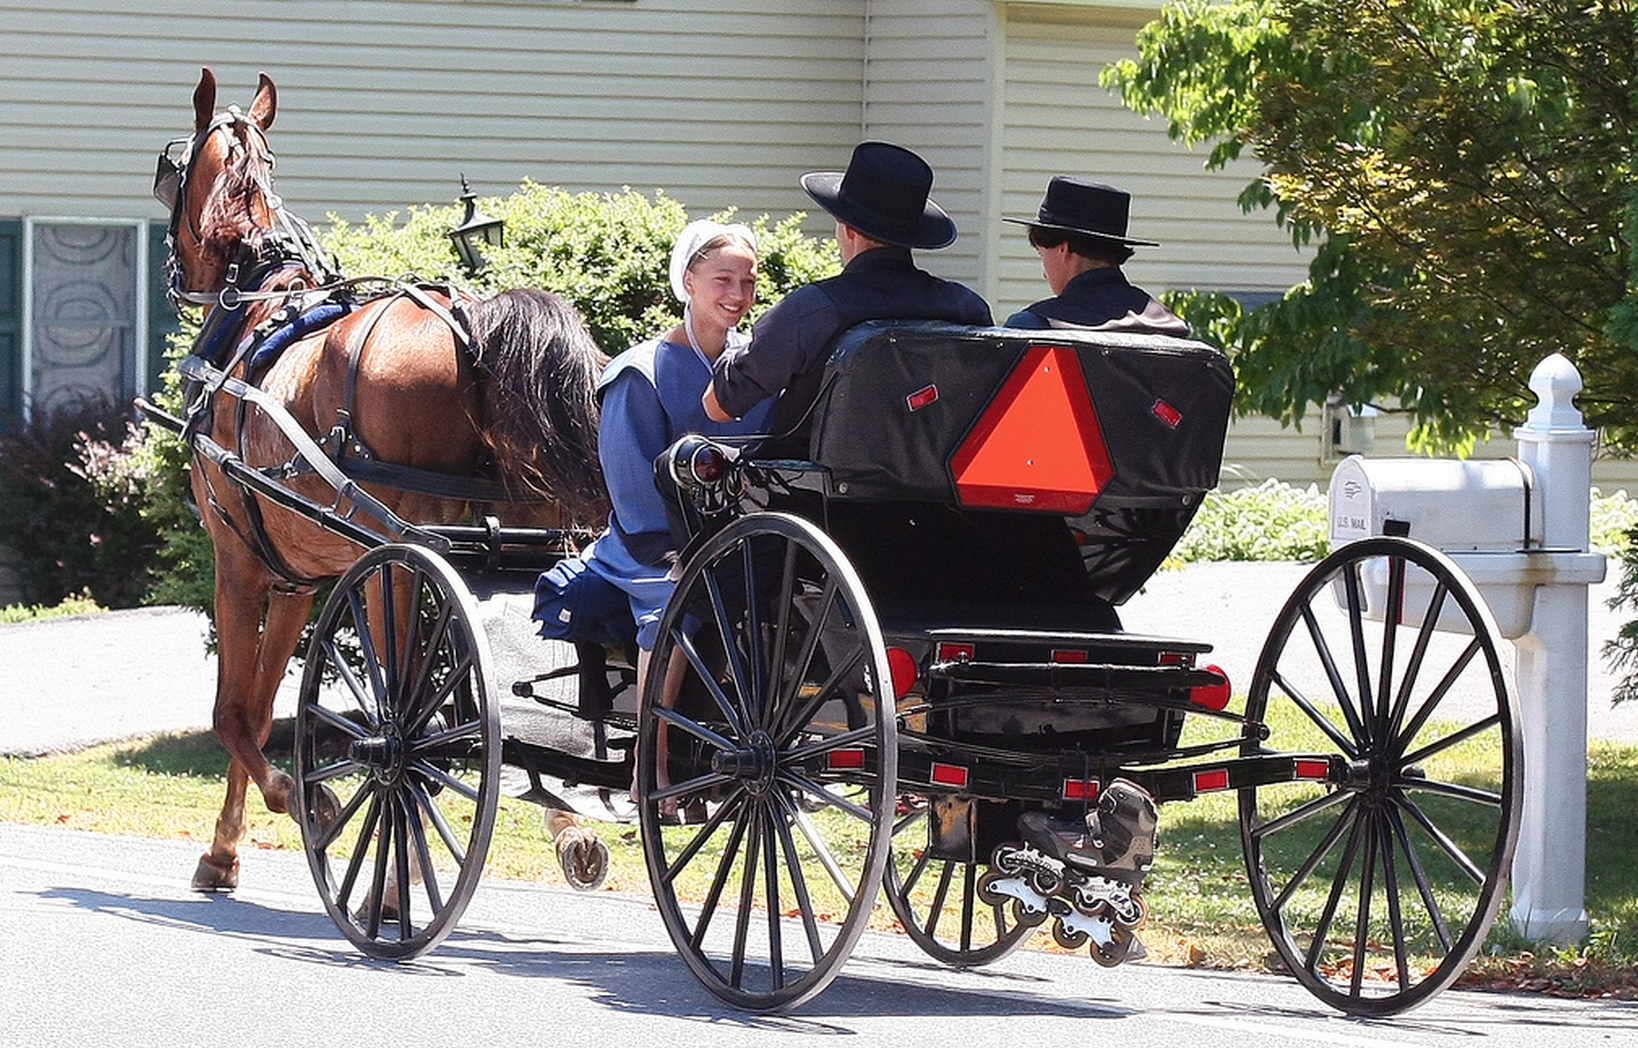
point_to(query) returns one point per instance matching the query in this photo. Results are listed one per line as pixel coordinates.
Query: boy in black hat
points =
(1080, 232)
(882, 211)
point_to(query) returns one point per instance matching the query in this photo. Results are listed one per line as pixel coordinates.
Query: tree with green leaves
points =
(1464, 171)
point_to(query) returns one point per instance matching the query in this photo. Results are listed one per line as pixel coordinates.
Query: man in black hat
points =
(1080, 233)
(882, 211)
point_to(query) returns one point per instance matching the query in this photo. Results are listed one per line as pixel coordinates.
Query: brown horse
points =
(394, 378)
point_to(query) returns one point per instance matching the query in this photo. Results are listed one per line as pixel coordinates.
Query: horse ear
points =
(204, 100)
(266, 103)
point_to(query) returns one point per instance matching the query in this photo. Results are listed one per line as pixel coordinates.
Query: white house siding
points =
(928, 85)
(1057, 120)
(384, 104)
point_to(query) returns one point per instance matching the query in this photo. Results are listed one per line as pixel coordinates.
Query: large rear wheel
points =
(397, 751)
(1378, 884)
(767, 768)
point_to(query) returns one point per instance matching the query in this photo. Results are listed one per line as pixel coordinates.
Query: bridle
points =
(288, 245)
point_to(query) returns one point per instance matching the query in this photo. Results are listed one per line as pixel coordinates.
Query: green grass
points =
(30, 612)
(1201, 909)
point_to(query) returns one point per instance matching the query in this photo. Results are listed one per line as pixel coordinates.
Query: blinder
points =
(173, 162)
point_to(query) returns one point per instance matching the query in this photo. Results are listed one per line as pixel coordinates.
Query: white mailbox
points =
(1451, 504)
(1483, 514)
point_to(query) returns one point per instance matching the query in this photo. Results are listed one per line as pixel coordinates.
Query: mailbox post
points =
(1549, 867)
(1520, 531)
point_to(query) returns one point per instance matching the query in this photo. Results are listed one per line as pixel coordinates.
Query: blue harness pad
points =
(312, 320)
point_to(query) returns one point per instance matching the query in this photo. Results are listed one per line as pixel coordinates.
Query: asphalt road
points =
(107, 946)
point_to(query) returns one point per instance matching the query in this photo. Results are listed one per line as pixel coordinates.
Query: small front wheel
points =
(397, 751)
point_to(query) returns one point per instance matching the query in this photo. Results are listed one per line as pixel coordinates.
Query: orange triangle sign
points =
(1038, 444)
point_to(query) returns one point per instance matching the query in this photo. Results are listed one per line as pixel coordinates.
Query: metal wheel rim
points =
(1388, 829)
(734, 942)
(407, 738)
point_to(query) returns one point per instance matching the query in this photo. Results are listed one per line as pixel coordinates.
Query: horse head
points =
(218, 184)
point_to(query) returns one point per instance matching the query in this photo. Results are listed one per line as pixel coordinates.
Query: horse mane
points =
(540, 397)
(228, 217)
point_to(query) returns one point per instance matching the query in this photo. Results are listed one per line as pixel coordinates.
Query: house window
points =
(85, 311)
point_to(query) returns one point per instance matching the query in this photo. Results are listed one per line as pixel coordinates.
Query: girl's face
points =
(722, 286)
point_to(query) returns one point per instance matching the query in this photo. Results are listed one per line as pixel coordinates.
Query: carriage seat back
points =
(1121, 433)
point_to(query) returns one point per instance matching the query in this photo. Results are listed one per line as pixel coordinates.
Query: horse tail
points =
(540, 398)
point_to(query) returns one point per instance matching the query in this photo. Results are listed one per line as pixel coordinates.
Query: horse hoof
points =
(585, 860)
(210, 876)
(325, 808)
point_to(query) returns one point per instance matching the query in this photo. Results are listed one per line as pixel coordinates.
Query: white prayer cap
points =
(696, 235)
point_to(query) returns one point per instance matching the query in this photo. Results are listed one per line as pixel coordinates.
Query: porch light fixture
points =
(475, 231)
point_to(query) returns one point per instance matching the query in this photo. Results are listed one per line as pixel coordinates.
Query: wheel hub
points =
(385, 755)
(752, 764)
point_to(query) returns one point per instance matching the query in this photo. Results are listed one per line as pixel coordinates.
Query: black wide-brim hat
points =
(883, 194)
(1089, 208)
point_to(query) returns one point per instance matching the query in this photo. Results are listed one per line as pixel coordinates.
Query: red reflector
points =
(904, 670)
(950, 652)
(1176, 658)
(1312, 769)
(1212, 696)
(922, 397)
(1080, 789)
(1038, 444)
(1167, 414)
(1215, 779)
(1068, 655)
(949, 775)
(847, 758)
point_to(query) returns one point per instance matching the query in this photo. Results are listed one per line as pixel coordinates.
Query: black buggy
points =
(897, 665)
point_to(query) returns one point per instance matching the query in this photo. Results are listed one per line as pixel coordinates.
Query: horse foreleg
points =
(251, 660)
(583, 857)
(218, 869)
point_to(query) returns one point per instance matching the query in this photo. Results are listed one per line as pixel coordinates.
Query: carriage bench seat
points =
(1119, 434)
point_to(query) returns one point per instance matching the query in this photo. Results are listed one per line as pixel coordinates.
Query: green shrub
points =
(608, 253)
(1272, 521)
(72, 492)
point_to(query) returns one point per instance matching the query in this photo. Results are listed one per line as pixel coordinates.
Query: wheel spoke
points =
(1438, 694)
(1423, 886)
(1319, 719)
(810, 644)
(725, 628)
(1448, 846)
(813, 789)
(438, 774)
(730, 713)
(696, 729)
(418, 704)
(783, 605)
(770, 877)
(1339, 883)
(1344, 822)
(367, 704)
(821, 851)
(747, 896)
(1413, 668)
(361, 849)
(799, 879)
(729, 807)
(339, 826)
(434, 813)
(757, 697)
(801, 716)
(1488, 798)
(1356, 634)
(1453, 739)
(1362, 916)
(1390, 890)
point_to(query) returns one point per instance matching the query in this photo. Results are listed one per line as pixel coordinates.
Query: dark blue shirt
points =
(792, 341)
(1101, 298)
